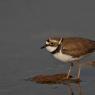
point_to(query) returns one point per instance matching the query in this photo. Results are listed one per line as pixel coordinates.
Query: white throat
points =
(51, 49)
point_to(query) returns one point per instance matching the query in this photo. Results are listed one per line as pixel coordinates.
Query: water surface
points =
(24, 26)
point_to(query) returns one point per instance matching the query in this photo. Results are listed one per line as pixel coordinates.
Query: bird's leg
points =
(78, 74)
(70, 67)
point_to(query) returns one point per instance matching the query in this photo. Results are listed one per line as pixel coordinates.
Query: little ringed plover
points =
(70, 49)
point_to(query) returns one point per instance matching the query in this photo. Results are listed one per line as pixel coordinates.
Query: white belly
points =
(64, 57)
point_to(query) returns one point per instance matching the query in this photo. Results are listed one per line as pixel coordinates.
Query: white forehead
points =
(47, 42)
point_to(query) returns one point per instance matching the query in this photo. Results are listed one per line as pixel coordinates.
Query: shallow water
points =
(25, 25)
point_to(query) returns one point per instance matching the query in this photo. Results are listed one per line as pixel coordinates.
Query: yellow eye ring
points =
(51, 43)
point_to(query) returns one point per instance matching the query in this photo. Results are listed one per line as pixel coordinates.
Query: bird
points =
(70, 50)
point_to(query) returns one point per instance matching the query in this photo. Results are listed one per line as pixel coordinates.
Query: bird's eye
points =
(52, 43)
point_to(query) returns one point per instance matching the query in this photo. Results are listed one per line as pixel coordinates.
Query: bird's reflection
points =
(72, 92)
(73, 85)
(73, 88)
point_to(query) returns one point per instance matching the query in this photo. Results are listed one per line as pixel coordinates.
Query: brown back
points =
(77, 46)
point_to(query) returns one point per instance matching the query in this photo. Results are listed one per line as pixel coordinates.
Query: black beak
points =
(44, 46)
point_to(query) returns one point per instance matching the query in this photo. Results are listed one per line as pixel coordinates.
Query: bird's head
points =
(52, 43)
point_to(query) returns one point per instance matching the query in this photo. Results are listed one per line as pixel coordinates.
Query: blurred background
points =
(24, 27)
